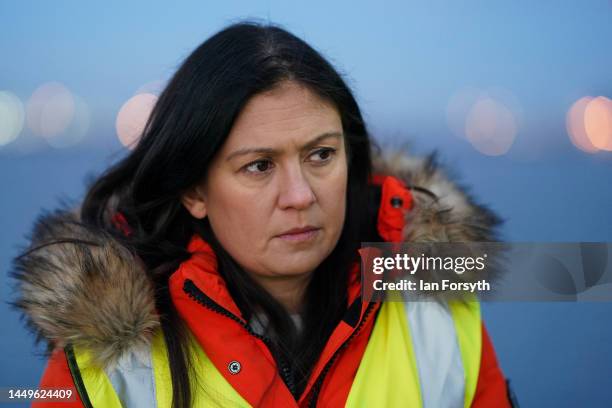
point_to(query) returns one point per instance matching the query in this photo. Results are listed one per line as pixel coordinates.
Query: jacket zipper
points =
(200, 297)
(316, 389)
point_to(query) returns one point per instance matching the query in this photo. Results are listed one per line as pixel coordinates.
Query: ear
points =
(194, 201)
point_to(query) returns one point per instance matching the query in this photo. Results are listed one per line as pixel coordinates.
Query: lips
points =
(299, 230)
(299, 234)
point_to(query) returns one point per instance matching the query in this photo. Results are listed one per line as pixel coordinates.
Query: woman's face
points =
(275, 194)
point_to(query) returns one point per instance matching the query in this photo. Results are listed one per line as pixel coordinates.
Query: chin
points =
(293, 267)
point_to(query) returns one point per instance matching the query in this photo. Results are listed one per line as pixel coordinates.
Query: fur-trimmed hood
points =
(77, 285)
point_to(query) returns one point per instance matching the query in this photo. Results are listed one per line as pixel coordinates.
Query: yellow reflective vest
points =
(420, 354)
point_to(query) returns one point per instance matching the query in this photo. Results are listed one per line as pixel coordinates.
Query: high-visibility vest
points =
(420, 354)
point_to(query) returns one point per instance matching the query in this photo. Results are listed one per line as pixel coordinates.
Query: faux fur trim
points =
(79, 286)
(443, 210)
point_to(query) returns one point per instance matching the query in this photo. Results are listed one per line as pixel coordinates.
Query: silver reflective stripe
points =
(436, 348)
(134, 381)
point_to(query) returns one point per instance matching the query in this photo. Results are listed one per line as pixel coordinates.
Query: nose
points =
(295, 190)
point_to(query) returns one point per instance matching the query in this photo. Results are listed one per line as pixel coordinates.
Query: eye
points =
(323, 155)
(258, 167)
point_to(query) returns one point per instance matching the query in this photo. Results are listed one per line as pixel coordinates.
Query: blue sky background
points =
(404, 60)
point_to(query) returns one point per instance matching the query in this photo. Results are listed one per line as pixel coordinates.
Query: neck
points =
(288, 291)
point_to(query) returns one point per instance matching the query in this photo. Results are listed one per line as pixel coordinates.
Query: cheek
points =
(238, 218)
(332, 198)
(247, 217)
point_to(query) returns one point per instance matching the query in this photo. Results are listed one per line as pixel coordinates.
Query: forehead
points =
(289, 113)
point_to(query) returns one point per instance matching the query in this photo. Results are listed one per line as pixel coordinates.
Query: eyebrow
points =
(270, 151)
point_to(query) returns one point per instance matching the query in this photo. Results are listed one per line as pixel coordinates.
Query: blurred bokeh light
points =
(575, 125)
(11, 117)
(50, 110)
(132, 118)
(491, 127)
(598, 122)
(589, 124)
(459, 106)
(488, 119)
(76, 129)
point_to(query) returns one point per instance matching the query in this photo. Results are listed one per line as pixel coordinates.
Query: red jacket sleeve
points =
(57, 375)
(491, 390)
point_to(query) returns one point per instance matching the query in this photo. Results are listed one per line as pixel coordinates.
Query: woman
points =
(217, 263)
